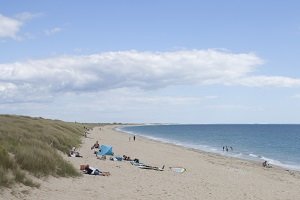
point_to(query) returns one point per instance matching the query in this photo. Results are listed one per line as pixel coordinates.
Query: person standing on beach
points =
(134, 138)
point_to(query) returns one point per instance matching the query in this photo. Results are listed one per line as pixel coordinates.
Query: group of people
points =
(85, 131)
(133, 138)
(87, 169)
(227, 148)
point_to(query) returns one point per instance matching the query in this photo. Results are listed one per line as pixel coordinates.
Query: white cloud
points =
(270, 81)
(9, 27)
(53, 31)
(18, 93)
(133, 69)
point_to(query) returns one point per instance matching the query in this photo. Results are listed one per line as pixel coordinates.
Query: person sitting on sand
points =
(74, 153)
(266, 164)
(96, 145)
(94, 171)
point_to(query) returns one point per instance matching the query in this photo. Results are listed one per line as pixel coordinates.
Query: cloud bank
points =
(133, 69)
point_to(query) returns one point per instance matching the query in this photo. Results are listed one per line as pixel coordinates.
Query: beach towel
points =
(151, 167)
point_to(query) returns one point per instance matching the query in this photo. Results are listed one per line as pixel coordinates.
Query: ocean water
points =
(278, 144)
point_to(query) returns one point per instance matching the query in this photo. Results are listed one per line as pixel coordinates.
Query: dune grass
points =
(30, 147)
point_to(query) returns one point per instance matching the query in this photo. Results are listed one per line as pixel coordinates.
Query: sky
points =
(169, 61)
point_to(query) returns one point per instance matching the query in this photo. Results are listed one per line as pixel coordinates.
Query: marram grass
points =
(31, 146)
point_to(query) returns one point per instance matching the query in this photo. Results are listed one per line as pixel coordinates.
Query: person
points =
(264, 164)
(126, 158)
(74, 153)
(94, 171)
(96, 145)
(231, 148)
(223, 148)
(134, 138)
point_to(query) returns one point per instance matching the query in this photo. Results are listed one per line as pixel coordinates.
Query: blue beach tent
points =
(105, 150)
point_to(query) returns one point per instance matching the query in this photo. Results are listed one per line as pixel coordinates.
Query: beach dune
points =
(207, 176)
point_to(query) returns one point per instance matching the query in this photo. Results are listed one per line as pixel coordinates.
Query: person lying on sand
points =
(127, 158)
(94, 171)
(151, 167)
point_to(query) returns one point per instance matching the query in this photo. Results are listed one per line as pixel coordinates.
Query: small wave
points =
(291, 166)
(121, 129)
(238, 155)
(253, 155)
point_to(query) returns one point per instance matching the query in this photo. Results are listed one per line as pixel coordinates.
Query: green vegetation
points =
(31, 146)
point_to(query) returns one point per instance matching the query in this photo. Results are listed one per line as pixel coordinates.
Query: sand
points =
(208, 176)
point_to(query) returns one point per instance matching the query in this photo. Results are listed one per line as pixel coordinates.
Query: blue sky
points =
(151, 61)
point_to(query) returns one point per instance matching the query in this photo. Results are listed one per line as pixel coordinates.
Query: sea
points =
(279, 144)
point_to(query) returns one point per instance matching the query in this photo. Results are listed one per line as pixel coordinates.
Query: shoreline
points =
(207, 176)
(245, 157)
(216, 154)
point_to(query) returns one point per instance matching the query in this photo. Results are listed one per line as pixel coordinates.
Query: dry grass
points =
(30, 146)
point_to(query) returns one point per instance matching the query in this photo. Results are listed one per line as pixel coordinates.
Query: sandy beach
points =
(208, 176)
